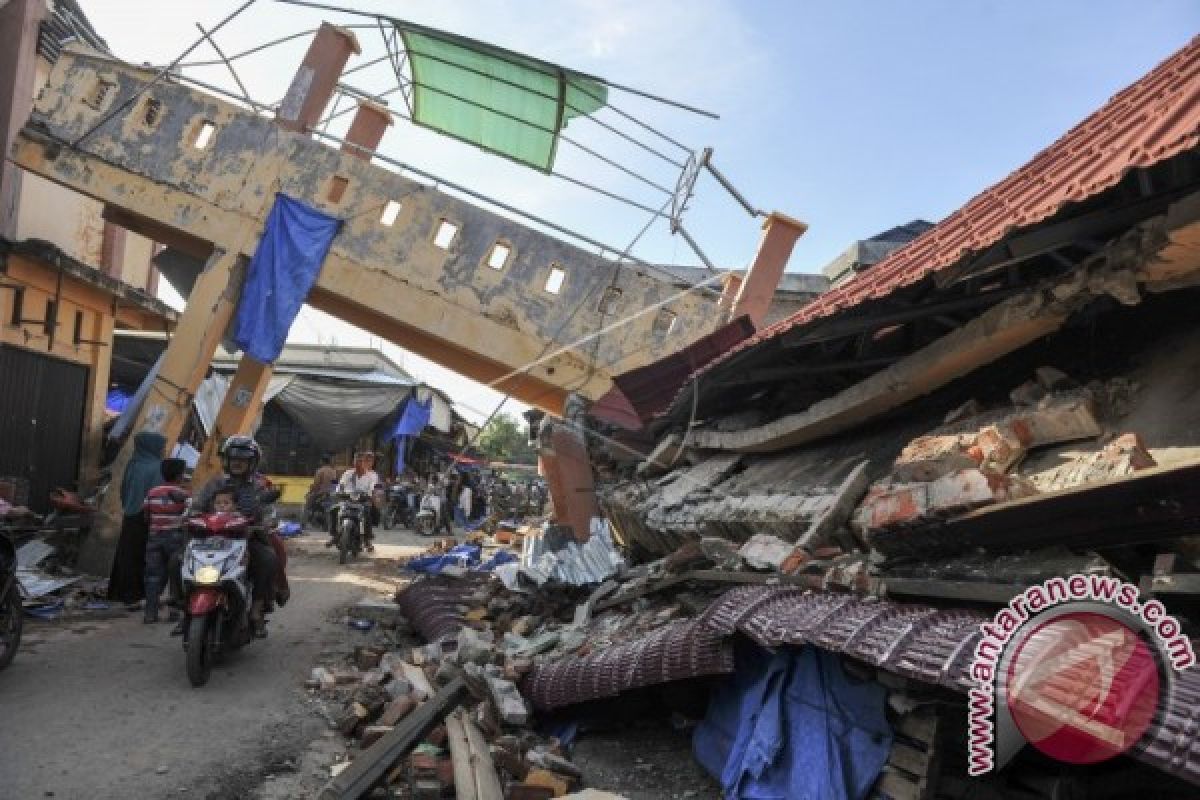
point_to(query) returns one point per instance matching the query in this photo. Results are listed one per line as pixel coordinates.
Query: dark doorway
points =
(41, 421)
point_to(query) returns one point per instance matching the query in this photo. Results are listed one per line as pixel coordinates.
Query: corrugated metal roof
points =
(1150, 121)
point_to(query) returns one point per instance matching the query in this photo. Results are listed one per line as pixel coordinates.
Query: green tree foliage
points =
(505, 439)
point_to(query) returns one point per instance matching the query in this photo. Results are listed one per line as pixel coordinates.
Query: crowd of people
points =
(157, 500)
(462, 498)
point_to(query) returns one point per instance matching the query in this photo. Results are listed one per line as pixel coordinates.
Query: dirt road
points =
(95, 710)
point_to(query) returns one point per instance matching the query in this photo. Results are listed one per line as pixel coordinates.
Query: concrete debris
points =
(766, 552)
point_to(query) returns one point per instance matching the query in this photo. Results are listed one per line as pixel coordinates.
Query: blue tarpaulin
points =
(284, 268)
(412, 420)
(463, 555)
(117, 400)
(794, 725)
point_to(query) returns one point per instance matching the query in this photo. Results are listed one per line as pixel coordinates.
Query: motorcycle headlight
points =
(208, 575)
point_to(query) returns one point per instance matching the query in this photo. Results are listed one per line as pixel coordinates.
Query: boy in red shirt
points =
(166, 505)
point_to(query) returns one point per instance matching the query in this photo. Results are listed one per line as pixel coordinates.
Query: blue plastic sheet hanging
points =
(412, 420)
(284, 268)
(794, 725)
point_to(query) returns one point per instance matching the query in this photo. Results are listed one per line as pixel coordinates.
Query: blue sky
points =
(852, 116)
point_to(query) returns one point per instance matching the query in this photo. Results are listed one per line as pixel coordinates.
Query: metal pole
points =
(687, 237)
(729, 187)
(162, 74)
(232, 71)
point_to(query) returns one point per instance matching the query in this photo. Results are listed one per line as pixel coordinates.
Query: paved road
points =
(103, 709)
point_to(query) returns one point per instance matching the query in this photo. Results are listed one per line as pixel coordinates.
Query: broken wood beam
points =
(366, 770)
(475, 775)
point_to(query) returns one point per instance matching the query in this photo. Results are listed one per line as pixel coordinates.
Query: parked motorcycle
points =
(427, 518)
(352, 519)
(396, 509)
(218, 592)
(11, 613)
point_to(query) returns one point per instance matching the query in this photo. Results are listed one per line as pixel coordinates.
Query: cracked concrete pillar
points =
(169, 401)
(371, 121)
(563, 461)
(757, 289)
(317, 77)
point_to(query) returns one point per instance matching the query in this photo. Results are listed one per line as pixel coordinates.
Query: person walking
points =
(126, 582)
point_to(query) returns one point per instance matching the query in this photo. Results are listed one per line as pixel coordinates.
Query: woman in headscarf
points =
(142, 473)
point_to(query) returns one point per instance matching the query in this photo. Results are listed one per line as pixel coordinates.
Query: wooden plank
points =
(416, 676)
(487, 782)
(956, 590)
(367, 769)
(460, 757)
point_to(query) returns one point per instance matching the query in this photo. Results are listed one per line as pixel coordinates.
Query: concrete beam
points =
(757, 287)
(442, 300)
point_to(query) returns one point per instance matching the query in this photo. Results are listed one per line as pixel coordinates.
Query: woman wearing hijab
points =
(142, 473)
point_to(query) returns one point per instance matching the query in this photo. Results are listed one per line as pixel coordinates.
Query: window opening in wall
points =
(554, 282)
(664, 322)
(152, 113)
(498, 257)
(390, 212)
(18, 306)
(99, 94)
(446, 231)
(50, 322)
(612, 296)
(337, 189)
(204, 135)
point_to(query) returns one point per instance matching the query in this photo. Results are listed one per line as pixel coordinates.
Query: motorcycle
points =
(316, 509)
(352, 512)
(396, 509)
(427, 518)
(11, 613)
(218, 592)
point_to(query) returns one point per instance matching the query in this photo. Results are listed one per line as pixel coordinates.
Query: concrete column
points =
(184, 365)
(563, 461)
(317, 78)
(93, 443)
(371, 121)
(19, 21)
(729, 292)
(780, 233)
(239, 411)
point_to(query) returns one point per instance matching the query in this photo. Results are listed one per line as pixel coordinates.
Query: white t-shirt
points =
(464, 500)
(353, 482)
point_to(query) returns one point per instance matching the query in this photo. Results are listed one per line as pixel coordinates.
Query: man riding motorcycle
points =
(359, 478)
(240, 456)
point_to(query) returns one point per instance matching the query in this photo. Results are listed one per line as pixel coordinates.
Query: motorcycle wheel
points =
(344, 549)
(199, 650)
(389, 519)
(11, 620)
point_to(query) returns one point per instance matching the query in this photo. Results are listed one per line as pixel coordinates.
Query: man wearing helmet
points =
(240, 456)
(359, 478)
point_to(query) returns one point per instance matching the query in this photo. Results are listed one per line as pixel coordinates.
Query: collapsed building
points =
(825, 519)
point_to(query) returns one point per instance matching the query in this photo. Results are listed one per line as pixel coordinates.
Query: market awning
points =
(501, 101)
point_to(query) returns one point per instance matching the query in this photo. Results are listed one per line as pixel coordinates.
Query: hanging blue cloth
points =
(284, 268)
(412, 420)
(794, 725)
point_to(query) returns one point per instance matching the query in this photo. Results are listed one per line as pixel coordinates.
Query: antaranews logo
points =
(1074, 666)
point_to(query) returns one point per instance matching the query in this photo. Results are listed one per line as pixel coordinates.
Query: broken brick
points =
(558, 784)
(397, 710)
